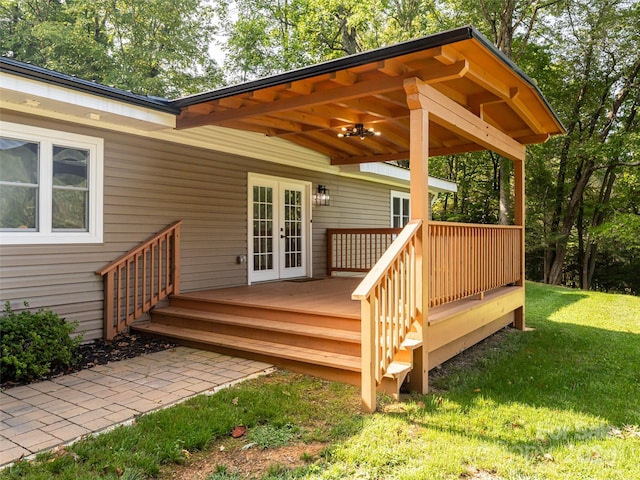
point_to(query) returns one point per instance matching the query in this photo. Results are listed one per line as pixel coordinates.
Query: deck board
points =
(330, 296)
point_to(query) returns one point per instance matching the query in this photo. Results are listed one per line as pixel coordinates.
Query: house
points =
(236, 204)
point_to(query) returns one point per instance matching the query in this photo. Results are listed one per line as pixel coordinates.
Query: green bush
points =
(34, 343)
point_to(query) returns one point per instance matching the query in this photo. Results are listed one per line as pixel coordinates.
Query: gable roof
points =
(311, 105)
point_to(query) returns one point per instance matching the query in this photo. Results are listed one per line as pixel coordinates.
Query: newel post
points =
(368, 375)
(419, 174)
(110, 328)
(176, 259)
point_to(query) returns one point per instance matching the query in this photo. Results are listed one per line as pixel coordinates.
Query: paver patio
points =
(45, 415)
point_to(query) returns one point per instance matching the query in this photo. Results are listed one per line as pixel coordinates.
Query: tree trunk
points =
(568, 221)
(505, 192)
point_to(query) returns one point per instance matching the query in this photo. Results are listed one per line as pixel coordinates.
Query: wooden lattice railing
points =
(469, 259)
(136, 281)
(357, 249)
(389, 305)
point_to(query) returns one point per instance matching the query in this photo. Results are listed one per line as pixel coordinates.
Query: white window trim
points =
(46, 138)
(400, 195)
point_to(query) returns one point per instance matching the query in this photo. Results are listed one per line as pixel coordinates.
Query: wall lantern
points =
(321, 197)
(358, 131)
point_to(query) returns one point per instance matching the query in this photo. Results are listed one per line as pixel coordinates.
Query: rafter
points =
(392, 67)
(343, 77)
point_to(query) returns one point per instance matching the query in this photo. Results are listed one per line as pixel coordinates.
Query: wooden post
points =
(109, 285)
(519, 209)
(368, 379)
(419, 173)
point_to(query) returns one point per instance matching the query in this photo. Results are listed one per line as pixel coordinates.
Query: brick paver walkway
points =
(44, 415)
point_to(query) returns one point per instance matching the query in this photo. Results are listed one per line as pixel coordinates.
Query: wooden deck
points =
(313, 326)
(329, 296)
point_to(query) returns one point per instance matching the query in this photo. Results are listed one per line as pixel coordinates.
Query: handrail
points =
(138, 280)
(112, 265)
(390, 303)
(374, 276)
(357, 249)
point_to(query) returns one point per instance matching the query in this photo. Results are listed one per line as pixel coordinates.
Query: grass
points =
(559, 401)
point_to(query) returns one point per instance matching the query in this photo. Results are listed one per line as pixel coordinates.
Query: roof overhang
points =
(33, 95)
(311, 105)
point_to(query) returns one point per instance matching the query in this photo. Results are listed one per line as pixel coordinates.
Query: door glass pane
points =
(262, 228)
(405, 211)
(19, 192)
(293, 228)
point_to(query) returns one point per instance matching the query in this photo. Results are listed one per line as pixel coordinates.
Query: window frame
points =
(402, 196)
(47, 139)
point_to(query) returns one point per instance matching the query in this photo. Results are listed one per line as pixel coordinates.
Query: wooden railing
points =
(357, 249)
(469, 259)
(389, 306)
(136, 281)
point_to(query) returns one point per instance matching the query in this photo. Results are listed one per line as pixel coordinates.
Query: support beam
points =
(459, 120)
(419, 173)
(302, 101)
(370, 158)
(519, 213)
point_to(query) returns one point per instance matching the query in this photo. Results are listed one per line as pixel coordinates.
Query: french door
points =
(279, 225)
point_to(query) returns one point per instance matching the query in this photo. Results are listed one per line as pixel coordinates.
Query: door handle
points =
(283, 236)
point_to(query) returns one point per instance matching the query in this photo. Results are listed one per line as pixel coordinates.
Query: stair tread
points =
(195, 297)
(411, 343)
(301, 354)
(397, 368)
(264, 324)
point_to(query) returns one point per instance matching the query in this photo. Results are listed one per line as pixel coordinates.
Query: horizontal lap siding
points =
(149, 184)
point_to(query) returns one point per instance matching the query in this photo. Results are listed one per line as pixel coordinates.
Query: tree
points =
(156, 47)
(599, 97)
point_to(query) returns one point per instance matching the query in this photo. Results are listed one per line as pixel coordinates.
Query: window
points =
(50, 186)
(399, 209)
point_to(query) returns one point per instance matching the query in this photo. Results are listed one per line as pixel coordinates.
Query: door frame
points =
(254, 179)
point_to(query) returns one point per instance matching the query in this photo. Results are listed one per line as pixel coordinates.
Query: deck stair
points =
(400, 368)
(321, 344)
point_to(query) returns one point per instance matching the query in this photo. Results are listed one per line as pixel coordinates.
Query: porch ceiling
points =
(310, 106)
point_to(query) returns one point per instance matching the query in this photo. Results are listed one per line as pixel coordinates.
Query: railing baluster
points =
(468, 260)
(133, 283)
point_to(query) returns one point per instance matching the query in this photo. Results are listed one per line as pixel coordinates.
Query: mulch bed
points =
(99, 352)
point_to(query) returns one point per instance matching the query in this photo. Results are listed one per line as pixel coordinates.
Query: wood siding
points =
(150, 183)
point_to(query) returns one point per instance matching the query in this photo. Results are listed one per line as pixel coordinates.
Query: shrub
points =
(34, 343)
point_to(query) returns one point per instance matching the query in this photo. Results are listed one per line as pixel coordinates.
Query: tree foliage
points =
(155, 47)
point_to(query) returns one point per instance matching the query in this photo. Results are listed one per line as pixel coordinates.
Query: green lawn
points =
(560, 401)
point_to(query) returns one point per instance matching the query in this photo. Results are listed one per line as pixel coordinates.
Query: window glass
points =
(69, 210)
(70, 167)
(18, 184)
(70, 195)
